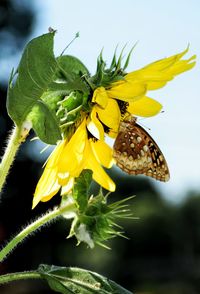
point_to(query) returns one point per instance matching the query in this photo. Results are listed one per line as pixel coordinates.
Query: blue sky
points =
(162, 28)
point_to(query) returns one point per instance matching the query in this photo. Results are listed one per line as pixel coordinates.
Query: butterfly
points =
(136, 152)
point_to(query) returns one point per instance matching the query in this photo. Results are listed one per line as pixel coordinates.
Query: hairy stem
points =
(19, 276)
(17, 136)
(47, 218)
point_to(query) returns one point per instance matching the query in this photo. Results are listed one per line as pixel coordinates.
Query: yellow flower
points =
(86, 148)
(68, 160)
(133, 88)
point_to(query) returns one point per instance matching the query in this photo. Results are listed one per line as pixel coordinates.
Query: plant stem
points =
(14, 141)
(48, 217)
(19, 276)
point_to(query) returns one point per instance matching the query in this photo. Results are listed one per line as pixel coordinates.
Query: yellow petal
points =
(144, 107)
(99, 175)
(155, 85)
(152, 79)
(103, 153)
(112, 134)
(63, 178)
(182, 65)
(94, 126)
(110, 116)
(72, 155)
(47, 186)
(155, 75)
(100, 97)
(54, 157)
(68, 187)
(165, 63)
(127, 90)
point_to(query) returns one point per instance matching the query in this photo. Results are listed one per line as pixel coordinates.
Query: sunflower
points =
(128, 95)
(113, 97)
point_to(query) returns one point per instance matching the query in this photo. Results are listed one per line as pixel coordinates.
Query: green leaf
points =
(69, 280)
(72, 71)
(71, 66)
(52, 98)
(36, 71)
(43, 119)
(81, 189)
(67, 87)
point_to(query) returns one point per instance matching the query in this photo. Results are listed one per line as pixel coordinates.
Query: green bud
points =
(104, 75)
(95, 221)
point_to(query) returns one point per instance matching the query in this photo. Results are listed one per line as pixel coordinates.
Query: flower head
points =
(87, 115)
(94, 218)
(97, 223)
(128, 95)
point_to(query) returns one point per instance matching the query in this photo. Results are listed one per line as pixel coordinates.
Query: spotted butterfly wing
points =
(137, 153)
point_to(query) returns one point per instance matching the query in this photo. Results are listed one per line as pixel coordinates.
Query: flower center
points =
(122, 106)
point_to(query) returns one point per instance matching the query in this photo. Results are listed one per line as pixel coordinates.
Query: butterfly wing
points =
(137, 153)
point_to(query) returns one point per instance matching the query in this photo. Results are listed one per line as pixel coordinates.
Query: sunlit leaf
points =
(66, 87)
(43, 119)
(68, 280)
(36, 71)
(71, 66)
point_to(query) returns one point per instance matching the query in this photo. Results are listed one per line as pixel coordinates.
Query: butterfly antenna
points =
(144, 126)
(144, 118)
(76, 36)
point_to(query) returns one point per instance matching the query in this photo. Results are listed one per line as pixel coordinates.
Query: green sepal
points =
(52, 99)
(119, 61)
(69, 109)
(105, 76)
(98, 78)
(36, 71)
(73, 72)
(81, 189)
(128, 57)
(95, 222)
(72, 101)
(114, 60)
(72, 280)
